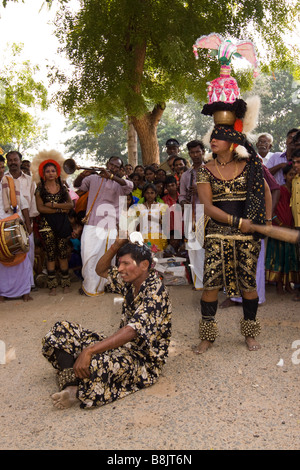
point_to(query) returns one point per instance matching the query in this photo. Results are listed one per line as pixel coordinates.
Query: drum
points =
(14, 238)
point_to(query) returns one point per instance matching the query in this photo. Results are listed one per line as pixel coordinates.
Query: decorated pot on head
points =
(234, 118)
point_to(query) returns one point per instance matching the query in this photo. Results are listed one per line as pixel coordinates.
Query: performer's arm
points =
(65, 206)
(50, 208)
(104, 262)
(205, 197)
(109, 175)
(121, 337)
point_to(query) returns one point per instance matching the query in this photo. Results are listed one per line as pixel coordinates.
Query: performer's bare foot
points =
(1, 298)
(229, 303)
(66, 290)
(252, 344)
(26, 297)
(66, 398)
(202, 347)
(279, 288)
(52, 291)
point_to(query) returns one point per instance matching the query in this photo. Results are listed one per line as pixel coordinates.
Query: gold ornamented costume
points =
(230, 255)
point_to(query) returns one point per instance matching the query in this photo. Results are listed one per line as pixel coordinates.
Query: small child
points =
(75, 262)
(175, 247)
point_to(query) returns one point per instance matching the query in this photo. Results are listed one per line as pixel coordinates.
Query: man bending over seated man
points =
(93, 369)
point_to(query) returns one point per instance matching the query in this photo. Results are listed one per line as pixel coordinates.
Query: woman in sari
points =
(281, 257)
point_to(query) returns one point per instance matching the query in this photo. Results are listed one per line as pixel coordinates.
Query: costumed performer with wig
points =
(53, 203)
(234, 193)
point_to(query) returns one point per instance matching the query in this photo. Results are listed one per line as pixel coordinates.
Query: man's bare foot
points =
(66, 398)
(52, 291)
(202, 347)
(1, 298)
(26, 297)
(229, 303)
(66, 290)
(252, 344)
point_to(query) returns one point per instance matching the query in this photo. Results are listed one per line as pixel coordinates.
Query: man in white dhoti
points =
(188, 195)
(101, 227)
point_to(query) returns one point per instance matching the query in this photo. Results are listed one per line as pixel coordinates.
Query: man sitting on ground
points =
(93, 369)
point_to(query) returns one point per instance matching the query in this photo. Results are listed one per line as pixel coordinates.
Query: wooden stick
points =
(280, 233)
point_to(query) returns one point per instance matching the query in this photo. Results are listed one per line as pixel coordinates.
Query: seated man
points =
(93, 369)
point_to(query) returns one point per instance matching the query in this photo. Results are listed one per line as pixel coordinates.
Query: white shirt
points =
(27, 190)
(23, 204)
(266, 158)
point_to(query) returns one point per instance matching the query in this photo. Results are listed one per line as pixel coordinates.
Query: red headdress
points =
(44, 163)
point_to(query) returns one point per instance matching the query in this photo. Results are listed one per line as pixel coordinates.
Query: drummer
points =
(15, 279)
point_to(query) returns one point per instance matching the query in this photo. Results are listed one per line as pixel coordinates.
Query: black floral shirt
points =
(149, 313)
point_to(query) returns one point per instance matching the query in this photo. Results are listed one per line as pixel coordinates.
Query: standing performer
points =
(102, 218)
(54, 202)
(234, 193)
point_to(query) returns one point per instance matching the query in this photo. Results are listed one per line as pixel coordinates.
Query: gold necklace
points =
(51, 189)
(226, 188)
(224, 163)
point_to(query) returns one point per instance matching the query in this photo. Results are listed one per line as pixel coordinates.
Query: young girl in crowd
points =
(138, 183)
(150, 215)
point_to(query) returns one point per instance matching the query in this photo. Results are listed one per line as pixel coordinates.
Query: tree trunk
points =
(146, 128)
(145, 124)
(132, 144)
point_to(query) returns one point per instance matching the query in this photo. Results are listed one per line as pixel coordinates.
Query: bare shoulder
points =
(209, 164)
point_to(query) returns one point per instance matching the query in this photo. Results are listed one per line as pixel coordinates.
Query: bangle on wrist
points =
(235, 221)
(111, 176)
(240, 223)
(269, 220)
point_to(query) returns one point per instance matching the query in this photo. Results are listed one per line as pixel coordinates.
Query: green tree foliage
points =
(109, 141)
(20, 95)
(130, 57)
(280, 105)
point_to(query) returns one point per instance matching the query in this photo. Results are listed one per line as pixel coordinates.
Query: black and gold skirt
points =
(230, 260)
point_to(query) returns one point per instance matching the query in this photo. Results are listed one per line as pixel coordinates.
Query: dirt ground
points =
(227, 399)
